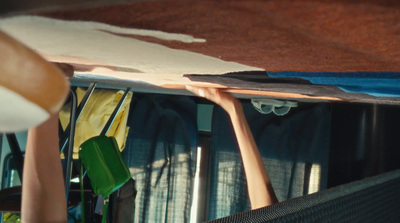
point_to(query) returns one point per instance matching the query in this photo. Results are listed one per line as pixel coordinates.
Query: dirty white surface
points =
(92, 44)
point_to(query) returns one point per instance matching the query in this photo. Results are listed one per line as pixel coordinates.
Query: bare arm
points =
(27, 75)
(259, 185)
(43, 191)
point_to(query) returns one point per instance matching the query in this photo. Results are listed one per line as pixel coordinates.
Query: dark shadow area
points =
(364, 141)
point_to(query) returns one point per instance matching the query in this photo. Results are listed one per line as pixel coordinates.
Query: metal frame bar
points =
(16, 152)
(65, 138)
(70, 151)
(75, 113)
(115, 112)
(204, 176)
(112, 117)
(105, 131)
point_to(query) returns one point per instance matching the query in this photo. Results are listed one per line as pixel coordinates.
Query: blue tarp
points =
(379, 84)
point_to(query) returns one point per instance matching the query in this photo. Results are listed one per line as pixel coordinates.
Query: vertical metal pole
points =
(204, 177)
(70, 144)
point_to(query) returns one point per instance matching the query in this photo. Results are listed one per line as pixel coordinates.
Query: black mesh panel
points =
(375, 199)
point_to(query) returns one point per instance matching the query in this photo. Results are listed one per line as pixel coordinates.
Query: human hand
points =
(223, 99)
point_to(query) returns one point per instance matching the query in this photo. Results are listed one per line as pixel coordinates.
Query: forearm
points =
(259, 185)
(43, 189)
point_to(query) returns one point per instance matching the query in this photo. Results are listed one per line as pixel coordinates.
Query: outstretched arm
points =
(31, 82)
(259, 185)
(43, 188)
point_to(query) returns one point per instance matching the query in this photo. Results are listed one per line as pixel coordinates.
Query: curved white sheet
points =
(85, 44)
(18, 113)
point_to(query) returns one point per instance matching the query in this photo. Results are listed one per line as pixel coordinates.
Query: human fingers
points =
(195, 90)
(213, 94)
(223, 99)
(209, 93)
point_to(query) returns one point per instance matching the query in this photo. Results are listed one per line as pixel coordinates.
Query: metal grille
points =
(375, 199)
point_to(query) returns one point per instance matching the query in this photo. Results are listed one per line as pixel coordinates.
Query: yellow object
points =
(12, 218)
(95, 115)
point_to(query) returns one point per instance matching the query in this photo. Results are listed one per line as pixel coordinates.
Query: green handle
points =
(82, 193)
(105, 208)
